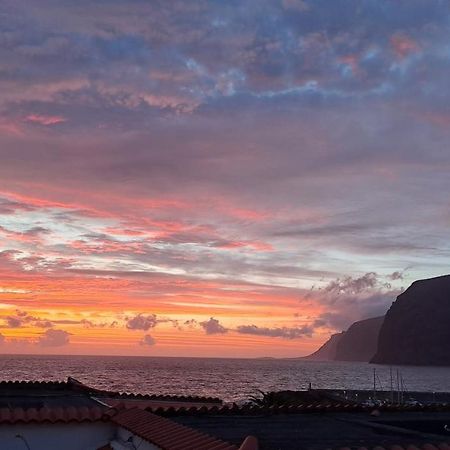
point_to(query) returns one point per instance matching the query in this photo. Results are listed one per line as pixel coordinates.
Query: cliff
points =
(358, 343)
(416, 328)
(328, 350)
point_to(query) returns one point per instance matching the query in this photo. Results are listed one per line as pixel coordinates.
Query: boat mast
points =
(392, 385)
(374, 384)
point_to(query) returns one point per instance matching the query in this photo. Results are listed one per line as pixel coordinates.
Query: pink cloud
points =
(45, 120)
(107, 246)
(256, 245)
(403, 45)
(10, 127)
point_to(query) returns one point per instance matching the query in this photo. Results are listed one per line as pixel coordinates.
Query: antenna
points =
(19, 436)
(392, 385)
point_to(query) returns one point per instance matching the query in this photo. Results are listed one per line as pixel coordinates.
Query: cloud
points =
(351, 285)
(22, 318)
(44, 120)
(403, 45)
(295, 158)
(148, 340)
(349, 299)
(2, 339)
(396, 276)
(54, 338)
(190, 323)
(281, 332)
(13, 322)
(295, 5)
(142, 322)
(213, 326)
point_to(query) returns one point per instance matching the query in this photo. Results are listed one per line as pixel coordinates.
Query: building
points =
(72, 416)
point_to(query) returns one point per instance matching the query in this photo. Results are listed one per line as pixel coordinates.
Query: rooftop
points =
(68, 414)
(202, 423)
(326, 430)
(45, 394)
(167, 434)
(34, 402)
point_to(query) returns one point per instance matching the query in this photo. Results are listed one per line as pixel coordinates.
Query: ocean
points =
(228, 379)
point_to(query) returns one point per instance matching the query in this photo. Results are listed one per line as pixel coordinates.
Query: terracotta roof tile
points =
(54, 415)
(316, 407)
(74, 385)
(165, 433)
(250, 443)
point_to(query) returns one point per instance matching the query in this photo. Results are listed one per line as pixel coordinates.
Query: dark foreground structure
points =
(74, 416)
(329, 430)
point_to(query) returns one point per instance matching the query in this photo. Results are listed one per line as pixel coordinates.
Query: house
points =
(72, 416)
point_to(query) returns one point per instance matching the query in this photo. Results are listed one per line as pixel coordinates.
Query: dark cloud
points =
(22, 318)
(54, 338)
(191, 323)
(394, 276)
(213, 326)
(351, 285)
(142, 322)
(282, 332)
(148, 340)
(349, 299)
(13, 322)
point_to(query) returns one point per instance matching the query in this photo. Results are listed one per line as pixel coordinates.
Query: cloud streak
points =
(281, 332)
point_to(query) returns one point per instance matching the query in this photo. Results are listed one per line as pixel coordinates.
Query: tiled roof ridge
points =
(76, 385)
(166, 434)
(317, 407)
(59, 414)
(178, 398)
(30, 382)
(69, 383)
(132, 395)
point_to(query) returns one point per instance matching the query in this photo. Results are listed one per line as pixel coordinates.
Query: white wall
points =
(73, 436)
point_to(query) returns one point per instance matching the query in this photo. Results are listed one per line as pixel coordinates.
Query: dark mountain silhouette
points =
(358, 343)
(328, 350)
(416, 328)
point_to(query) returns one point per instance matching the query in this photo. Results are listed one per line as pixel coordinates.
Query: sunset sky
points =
(217, 178)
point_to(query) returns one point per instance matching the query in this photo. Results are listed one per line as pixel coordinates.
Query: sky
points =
(217, 178)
